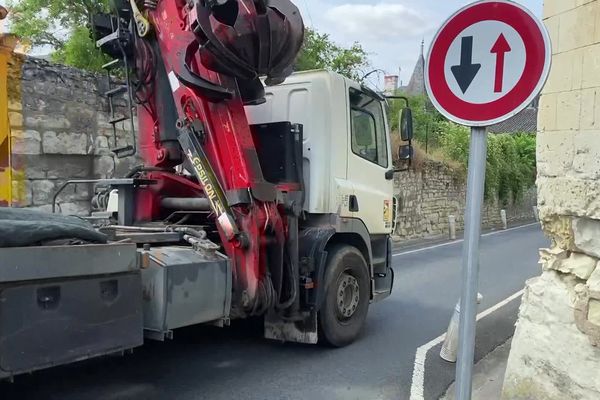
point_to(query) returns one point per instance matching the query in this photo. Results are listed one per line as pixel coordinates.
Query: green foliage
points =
(427, 121)
(454, 141)
(44, 22)
(510, 160)
(80, 51)
(319, 52)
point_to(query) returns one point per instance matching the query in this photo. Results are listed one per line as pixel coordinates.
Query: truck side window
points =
(368, 128)
(364, 135)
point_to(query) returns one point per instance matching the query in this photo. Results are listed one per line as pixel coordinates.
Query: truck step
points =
(124, 151)
(116, 91)
(118, 118)
(108, 38)
(379, 261)
(116, 63)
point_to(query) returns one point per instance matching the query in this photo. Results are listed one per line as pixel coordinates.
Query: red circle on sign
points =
(536, 48)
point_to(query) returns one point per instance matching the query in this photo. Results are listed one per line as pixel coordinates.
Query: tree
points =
(320, 52)
(65, 25)
(80, 51)
(426, 118)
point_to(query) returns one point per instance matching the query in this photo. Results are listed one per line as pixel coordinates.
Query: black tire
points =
(341, 318)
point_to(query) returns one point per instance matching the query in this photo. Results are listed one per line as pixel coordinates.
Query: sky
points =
(391, 31)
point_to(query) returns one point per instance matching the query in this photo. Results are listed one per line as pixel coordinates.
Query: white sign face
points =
(483, 87)
(487, 62)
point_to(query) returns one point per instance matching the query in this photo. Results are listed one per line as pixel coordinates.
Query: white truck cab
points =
(347, 148)
(349, 209)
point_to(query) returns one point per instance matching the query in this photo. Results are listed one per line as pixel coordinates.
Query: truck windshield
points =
(368, 128)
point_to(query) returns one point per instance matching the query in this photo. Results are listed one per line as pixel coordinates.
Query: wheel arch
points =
(355, 240)
(315, 241)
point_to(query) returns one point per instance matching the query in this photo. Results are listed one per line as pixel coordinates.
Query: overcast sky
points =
(390, 30)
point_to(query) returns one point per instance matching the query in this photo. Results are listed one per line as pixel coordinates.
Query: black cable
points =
(294, 290)
(145, 70)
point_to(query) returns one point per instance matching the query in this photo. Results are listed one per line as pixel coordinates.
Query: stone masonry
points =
(59, 131)
(428, 196)
(555, 351)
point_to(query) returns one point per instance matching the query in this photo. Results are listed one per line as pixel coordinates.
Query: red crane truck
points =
(258, 195)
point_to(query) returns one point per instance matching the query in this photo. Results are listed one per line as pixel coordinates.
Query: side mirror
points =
(406, 152)
(406, 124)
(405, 155)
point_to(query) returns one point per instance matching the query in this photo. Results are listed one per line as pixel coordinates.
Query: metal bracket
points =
(141, 23)
(125, 187)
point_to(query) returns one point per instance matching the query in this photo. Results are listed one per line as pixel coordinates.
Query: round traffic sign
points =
(487, 62)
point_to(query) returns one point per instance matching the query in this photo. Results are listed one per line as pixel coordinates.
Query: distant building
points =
(523, 122)
(416, 84)
(390, 84)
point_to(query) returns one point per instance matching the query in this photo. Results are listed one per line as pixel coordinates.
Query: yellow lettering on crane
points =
(208, 187)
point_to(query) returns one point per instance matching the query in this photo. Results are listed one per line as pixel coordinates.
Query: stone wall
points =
(59, 130)
(427, 198)
(555, 353)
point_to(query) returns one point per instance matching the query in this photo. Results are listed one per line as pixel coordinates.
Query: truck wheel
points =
(347, 295)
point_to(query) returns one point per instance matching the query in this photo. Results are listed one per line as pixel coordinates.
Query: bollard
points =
(536, 214)
(503, 218)
(452, 223)
(450, 346)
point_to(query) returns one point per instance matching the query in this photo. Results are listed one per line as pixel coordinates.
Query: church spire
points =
(416, 85)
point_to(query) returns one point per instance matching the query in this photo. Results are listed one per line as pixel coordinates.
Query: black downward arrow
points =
(466, 71)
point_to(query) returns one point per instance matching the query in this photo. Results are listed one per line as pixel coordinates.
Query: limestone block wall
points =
(555, 353)
(428, 196)
(59, 130)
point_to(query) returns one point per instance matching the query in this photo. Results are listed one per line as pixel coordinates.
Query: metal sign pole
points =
(470, 271)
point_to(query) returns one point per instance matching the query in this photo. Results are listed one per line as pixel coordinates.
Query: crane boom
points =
(196, 64)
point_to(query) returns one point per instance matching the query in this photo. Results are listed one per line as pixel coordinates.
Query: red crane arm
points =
(215, 138)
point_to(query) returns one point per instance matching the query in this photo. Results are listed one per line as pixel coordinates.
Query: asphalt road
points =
(235, 363)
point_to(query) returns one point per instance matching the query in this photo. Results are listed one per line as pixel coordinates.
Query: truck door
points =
(369, 159)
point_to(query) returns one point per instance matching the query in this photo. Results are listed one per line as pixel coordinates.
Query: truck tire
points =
(347, 295)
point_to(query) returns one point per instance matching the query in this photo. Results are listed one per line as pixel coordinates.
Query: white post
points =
(503, 218)
(452, 223)
(450, 346)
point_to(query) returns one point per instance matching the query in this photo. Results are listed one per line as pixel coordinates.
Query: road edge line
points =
(462, 240)
(417, 386)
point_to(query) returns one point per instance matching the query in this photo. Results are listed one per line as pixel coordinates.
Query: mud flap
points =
(304, 331)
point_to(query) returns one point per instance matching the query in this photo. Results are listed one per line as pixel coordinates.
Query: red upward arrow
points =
(501, 47)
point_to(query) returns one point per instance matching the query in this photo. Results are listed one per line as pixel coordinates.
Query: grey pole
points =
(470, 271)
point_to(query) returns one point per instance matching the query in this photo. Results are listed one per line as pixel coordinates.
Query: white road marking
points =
(418, 379)
(462, 240)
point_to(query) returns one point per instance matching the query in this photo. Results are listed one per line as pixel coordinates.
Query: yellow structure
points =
(5, 165)
(7, 44)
